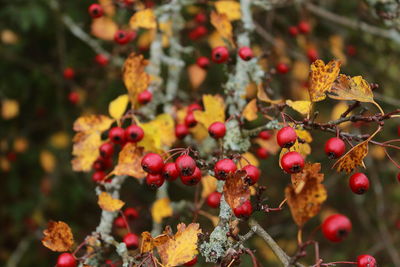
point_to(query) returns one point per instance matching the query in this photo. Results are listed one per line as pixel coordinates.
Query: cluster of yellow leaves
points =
(223, 26)
(87, 140)
(58, 236)
(108, 203)
(306, 194)
(230, 8)
(129, 160)
(161, 209)
(236, 191)
(143, 19)
(117, 107)
(214, 110)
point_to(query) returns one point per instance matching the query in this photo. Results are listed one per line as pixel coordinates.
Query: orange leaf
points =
(353, 158)
(108, 203)
(262, 96)
(108, 7)
(129, 160)
(223, 26)
(144, 19)
(321, 78)
(58, 236)
(104, 28)
(196, 75)
(236, 191)
(148, 242)
(250, 110)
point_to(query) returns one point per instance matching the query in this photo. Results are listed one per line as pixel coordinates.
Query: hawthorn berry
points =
(351, 50)
(193, 107)
(95, 11)
(252, 174)
(366, 261)
(154, 180)
(117, 135)
(190, 120)
(282, 68)
(246, 53)
(359, 183)
(293, 30)
(106, 150)
(335, 147)
(101, 60)
(152, 163)
(110, 263)
(181, 130)
(286, 137)
(145, 97)
(214, 199)
(134, 133)
(69, 73)
(129, 2)
(198, 32)
(185, 165)
(123, 37)
(244, 210)
(192, 179)
(102, 164)
(98, 176)
(217, 130)
(262, 153)
(336, 227)
(170, 172)
(220, 54)
(200, 18)
(312, 54)
(66, 260)
(73, 97)
(304, 27)
(223, 168)
(191, 262)
(265, 135)
(131, 241)
(398, 177)
(119, 222)
(131, 213)
(203, 62)
(292, 162)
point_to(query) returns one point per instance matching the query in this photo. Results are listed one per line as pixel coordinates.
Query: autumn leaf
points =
(222, 25)
(215, 39)
(214, 110)
(270, 145)
(236, 191)
(351, 88)
(353, 158)
(108, 203)
(104, 28)
(250, 110)
(209, 185)
(337, 47)
(246, 159)
(230, 8)
(196, 75)
(182, 247)
(91, 123)
(262, 96)
(58, 236)
(303, 148)
(301, 106)
(129, 160)
(9, 109)
(144, 19)
(148, 243)
(108, 7)
(307, 193)
(117, 107)
(321, 78)
(161, 209)
(47, 160)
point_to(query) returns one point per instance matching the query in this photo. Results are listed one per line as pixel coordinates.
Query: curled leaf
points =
(353, 158)
(58, 236)
(321, 78)
(108, 203)
(351, 88)
(196, 75)
(236, 191)
(129, 160)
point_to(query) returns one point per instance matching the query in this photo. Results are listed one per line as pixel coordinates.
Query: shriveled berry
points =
(217, 130)
(220, 54)
(252, 174)
(98, 176)
(170, 172)
(286, 137)
(214, 199)
(185, 165)
(359, 183)
(117, 135)
(366, 261)
(106, 150)
(282, 68)
(246, 53)
(145, 97)
(152, 163)
(335, 147)
(190, 120)
(131, 241)
(244, 210)
(191, 262)
(95, 11)
(262, 153)
(119, 222)
(203, 62)
(223, 168)
(131, 213)
(336, 227)
(292, 162)
(66, 260)
(154, 180)
(192, 179)
(265, 135)
(181, 130)
(134, 133)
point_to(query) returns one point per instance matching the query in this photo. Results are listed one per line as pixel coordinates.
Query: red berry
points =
(223, 168)
(192, 262)
(335, 147)
(286, 137)
(244, 210)
(185, 165)
(190, 120)
(220, 54)
(366, 261)
(170, 172)
(123, 37)
(217, 130)
(101, 59)
(73, 97)
(134, 133)
(304, 27)
(246, 53)
(282, 68)
(129, 2)
(312, 54)
(262, 153)
(253, 174)
(192, 179)
(292, 162)
(351, 50)
(398, 177)
(106, 150)
(11, 156)
(203, 62)
(359, 183)
(336, 227)
(198, 32)
(152, 163)
(293, 30)
(214, 199)
(154, 180)
(181, 130)
(131, 241)
(98, 176)
(66, 260)
(266, 135)
(193, 107)
(96, 11)
(102, 164)
(110, 263)
(131, 213)
(117, 135)
(119, 222)
(200, 18)
(145, 97)
(69, 73)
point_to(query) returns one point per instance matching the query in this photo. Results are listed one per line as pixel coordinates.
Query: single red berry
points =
(106, 150)
(170, 172)
(134, 133)
(66, 260)
(107, 163)
(366, 261)
(117, 135)
(312, 54)
(190, 120)
(293, 30)
(335, 147)
(203, 62)
(185, 165)
(359, 183)
(262, 153)
(152, 163)
(336, 227)
(398, 177)
(129, 2)
(95, 11)
(149, 4)
(304, 27)
(131, 241)
(223, 168)
(192, 262)
(246, 53)
(220, 54)
(110, 263)
(198, 32)
(192, 179)
(253, 174)
(98, 176)
(292, 162)
(119, 222)
(193, 107)
(98, 165)
(69, 73)
(351, 50)
(154, 180)
(101, 60)
(244, 210)
(145, 97)
(131, 213)
(282, 68)
(181, 130)
(123, 37)
(217, 130)
(102, 164)
(214, 199)
(286, 137)
(200, 18)
(73, 97)
(265, 135)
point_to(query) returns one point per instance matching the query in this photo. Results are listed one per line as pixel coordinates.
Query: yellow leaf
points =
(182, 247)
(304, 135)
(321, 78)
(303, 148)
(161, 209)
(351, 88)
(20, 144)
(9, 109)
(47, 160)
(250, 110)
(159, 133)
(248, 158)
(7, 36)
(108, 7)
(148, 242)
(209, 185)
(262, 96)
(337, 111)
(92, 123)
(60, 140)
(302, 106)
(353, 158)
(222, 25)
(129, 160)
(104, 28)
(214, 110)
(58, 236)
(215, 39)
(337, 47)
(196, 75)
(108, 203)
(300, 71)
(199, 132)
(117, 107)
(144, 19)
(229, 8)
